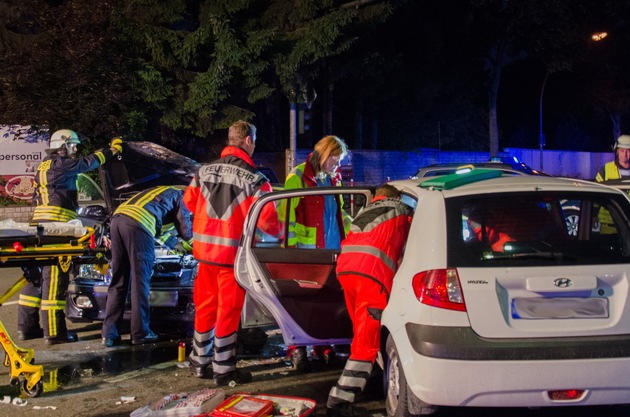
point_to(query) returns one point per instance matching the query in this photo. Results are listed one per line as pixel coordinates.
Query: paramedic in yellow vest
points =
(316, 222)
(614, 170)
(56, 199)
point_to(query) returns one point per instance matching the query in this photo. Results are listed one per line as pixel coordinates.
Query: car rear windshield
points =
(538, 228)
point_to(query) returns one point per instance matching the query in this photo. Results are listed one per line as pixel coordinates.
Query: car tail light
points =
(439, 288)
(566, 394)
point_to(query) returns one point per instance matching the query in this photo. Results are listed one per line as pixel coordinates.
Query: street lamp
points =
(596, 37)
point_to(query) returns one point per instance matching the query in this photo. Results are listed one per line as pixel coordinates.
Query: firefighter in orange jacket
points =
(219, 197)
(365, 268)
(56, 199)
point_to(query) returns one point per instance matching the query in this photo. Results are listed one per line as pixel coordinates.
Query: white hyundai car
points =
(495, 303)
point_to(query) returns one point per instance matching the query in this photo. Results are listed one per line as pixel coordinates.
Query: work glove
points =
(183, 247)
(116, 145)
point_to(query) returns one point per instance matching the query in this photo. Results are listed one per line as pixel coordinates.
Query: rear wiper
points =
(488, 256)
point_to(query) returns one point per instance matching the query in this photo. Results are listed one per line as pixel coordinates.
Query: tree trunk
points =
(615, 118)
(328, 110)
(358, 120)
(373, 118)
(493, 124)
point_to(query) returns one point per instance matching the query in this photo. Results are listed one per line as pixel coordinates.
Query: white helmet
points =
(623, 142)
(63, 136)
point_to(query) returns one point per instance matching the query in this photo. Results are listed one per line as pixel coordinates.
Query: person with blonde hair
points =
(317, 222)
(321, 169)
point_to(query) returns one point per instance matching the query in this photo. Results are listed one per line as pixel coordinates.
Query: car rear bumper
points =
(462, 343)
(462, 375)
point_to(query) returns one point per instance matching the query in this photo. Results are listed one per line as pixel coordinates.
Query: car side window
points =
(309, 222)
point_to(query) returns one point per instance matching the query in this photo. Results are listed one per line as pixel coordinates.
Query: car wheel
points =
(572, 218)
(397, 395)
(251, 341)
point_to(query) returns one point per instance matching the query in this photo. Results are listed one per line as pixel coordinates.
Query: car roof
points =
(517, 183)
(621, 184)
(449, 168)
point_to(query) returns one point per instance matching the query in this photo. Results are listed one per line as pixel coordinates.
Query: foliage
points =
(180, 71)
(60, 66)
(8, 201)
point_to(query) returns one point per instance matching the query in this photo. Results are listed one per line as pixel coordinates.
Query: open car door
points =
(296, 286)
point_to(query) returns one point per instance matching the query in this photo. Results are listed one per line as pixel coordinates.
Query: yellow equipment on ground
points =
(31, 246)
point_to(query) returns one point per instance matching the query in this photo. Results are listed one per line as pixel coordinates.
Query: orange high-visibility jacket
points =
(375, 242)
(219, 197)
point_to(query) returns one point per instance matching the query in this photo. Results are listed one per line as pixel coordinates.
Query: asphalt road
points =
(87, 379)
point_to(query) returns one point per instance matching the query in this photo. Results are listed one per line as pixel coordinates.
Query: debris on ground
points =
(15, 401)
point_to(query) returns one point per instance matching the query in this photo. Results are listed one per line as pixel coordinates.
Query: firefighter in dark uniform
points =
(219, 198)
(134, 227)
(56, 199)
(365, 268)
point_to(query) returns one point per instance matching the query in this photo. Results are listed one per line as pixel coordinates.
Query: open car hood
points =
(140, 166)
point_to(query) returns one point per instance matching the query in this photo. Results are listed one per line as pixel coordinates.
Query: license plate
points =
(559, 308)
(163, 298)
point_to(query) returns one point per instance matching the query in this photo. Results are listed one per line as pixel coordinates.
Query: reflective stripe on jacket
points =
(375, 242)
(156, 207)
(610, 171)
(56, 184)
(219, 197)
(306, 215)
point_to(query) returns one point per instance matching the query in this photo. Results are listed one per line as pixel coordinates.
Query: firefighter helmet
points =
(623, 142)
(62, 137)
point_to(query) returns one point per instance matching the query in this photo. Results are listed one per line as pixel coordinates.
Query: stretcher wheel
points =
(35, 392)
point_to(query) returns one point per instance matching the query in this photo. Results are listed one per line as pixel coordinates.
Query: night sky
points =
(438, 94)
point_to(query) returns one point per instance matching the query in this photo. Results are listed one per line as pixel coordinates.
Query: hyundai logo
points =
(562, 282)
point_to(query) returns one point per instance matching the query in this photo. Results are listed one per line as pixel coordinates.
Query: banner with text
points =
(22, 148)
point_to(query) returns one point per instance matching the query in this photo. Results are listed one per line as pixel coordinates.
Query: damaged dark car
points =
(142, 165)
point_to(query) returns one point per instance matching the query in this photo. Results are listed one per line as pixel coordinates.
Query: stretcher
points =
(30, 247)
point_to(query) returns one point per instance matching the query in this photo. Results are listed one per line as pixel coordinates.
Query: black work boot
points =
(299, 359)
(69, 337)
(236, 377)
(30, 334)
